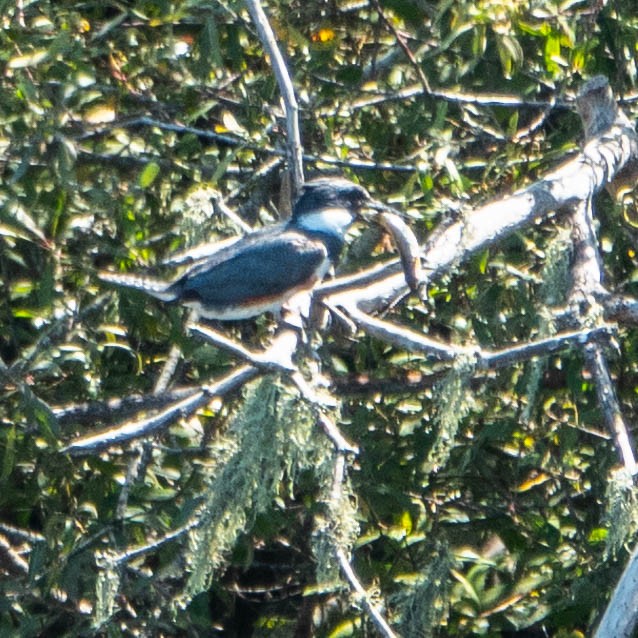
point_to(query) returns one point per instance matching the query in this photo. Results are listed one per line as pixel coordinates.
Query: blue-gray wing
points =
(261, 267)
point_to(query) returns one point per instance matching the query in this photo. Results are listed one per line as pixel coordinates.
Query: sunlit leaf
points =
(100, 114)
(27, 60)
(149, 174)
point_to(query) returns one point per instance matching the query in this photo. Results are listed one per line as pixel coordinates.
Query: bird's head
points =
(329, 205)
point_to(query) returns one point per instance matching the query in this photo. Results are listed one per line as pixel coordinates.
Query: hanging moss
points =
(422, 606)
(555, 276)
(455, 402)
(621, 513)
(272, 436)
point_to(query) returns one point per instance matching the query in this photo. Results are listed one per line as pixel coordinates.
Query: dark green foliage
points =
(480, 504)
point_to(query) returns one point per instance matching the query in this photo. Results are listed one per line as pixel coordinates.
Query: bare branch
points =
(404, 46)
(576, 180)
(610, 406)
(141, 550)
(10, 561)
(278, 357)
(95, 411)
(620, 618)
(143, 449)
(228, 140)
(403, 337)
(139, 428)
(231, 214)
(25, 535)
(357, 587)
(274, 359)
(413, 341)
(334, 434)
(599, 112)
(336, 494)
(291, 109)
(620, 308)
(543, 347)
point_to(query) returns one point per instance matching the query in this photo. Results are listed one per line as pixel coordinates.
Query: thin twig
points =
(404, 338)
(334, 434)
(377, 617)
(356, 163)
(412, 341)
(143, 450)
(141, 550)
(231, 214)
(274, 359)
(142, 427)
(404, 46)
(336, 494)
(416, 90)
(516, 354)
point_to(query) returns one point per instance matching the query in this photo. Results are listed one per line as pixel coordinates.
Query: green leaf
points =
(149, 174)
(209, 47)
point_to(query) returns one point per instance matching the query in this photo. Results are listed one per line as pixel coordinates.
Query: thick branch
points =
(278, 357)
(610, 406)
(620, 308)
(620, 618)
(576, 180)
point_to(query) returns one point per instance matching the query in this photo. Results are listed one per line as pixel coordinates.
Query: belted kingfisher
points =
(263, 270)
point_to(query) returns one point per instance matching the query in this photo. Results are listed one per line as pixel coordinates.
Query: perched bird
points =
(263, 270)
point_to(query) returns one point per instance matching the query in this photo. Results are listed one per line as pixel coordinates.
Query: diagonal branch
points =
(274, 359)
(291, 109)
(600, 114)
(136, 428)
(576, 180)
(620, 618)
(587, 278)
(278, 356)
(378, 619)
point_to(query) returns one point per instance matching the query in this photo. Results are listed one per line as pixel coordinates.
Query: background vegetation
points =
(121, 122)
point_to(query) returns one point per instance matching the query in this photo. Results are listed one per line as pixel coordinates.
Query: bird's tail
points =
(159, 289)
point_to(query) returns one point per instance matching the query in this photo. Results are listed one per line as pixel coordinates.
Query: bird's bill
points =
(375, 206)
